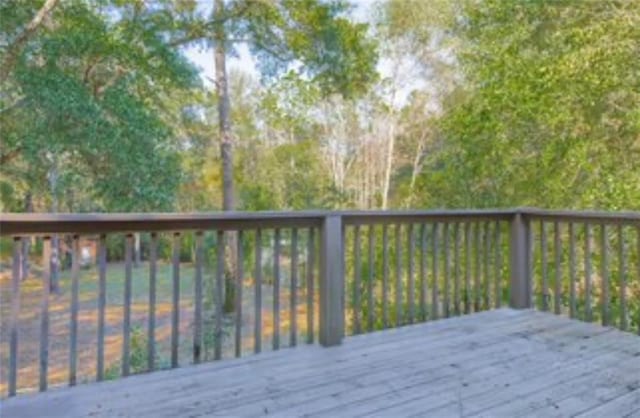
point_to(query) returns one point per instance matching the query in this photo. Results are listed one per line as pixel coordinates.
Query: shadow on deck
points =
(500, 363)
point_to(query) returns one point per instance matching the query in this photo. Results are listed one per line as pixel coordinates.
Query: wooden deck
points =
(501, 363)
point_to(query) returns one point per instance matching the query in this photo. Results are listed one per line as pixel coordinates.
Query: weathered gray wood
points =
(447, 269)
(435, 294)
(638, 267)
(275, 342)
(398, 244)
(257, 328)
(572, 271)
(424, 256)
(520, 263)
(15, 316)
(102, 301)
(293, 291)
(126, 303)
(219, 296)
(175, 300)
(468, 292)
(557, 250)
(311, 252)
(456, 267)
(151, 330)
(73, 314)
(627, 406)
(477, 291)
(238, 290)
(411, 293)
(357, 282)
(385, 276)
(543, 261)
(486, 256)
(587, 273)
(197, 303)
(370, 279)
(44, 314)
(604, 272)
(622, 272)
(331, 282)
(498, 265)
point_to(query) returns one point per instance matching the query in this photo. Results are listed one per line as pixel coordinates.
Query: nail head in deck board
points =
(15, 315)
(276, 290)
(257, 329)
(239, 287)
(151, 331)
(293, 292)
(126, 322)
(73, 321)
(102, 301)
(197, 320)
(219, 295)
(311, 250)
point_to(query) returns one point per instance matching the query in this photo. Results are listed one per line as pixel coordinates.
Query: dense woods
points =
(413, 104)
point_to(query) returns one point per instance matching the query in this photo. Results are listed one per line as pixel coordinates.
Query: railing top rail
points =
(98, 223)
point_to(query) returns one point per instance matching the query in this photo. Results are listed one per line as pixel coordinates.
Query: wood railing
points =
(327, 274)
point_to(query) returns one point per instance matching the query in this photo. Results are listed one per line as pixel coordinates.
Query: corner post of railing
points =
(331, 281)
(519, 251)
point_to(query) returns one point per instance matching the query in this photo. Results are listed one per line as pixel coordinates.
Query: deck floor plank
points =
(490, 364)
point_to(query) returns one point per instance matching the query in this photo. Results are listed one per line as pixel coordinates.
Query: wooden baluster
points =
(557, 292)
(15, 315)
(257, 330)
(545, 278)
(572, 270)
(311, 249)
(197, 325)
(638, 267)
(606, 320)
(175, 305)
(44, 314)
(385, 275)
(276, 290)
(398, 275)
(467, 268)
(102, 301)
(293, 337)
(622, 269)
(486, 251)
(587, 272)
(423, 272)
(410, 278)
(478, 276)
(447, 269)
(456, 268)
(126, 322)
(219, 295)
(151, 331)
(370, 286)
(238, 295)
(497, 247)
(73, 322)
(357, 308)
(435, 294)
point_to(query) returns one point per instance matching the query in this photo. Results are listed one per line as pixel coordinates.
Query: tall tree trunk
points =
(55, 241)
(226, 152)
(389, 166)
(26, 241)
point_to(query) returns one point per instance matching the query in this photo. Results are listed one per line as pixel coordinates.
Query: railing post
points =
(332, 293)
(520, 280)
